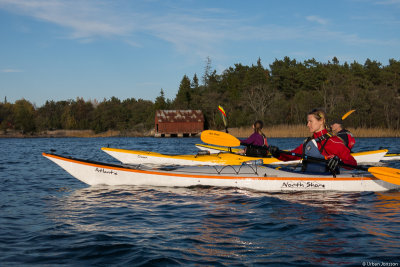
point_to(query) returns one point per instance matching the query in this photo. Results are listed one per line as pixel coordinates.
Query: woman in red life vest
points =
(320, 145)
(256, 144)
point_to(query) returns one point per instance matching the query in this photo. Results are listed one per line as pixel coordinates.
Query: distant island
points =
(280, 95)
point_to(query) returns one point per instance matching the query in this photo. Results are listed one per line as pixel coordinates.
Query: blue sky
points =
(59, 50)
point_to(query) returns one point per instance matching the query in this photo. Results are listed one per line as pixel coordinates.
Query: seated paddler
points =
(256, 144)
(322, 145)
(344, 135)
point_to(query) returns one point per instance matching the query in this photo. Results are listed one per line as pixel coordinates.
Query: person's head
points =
(337, 125)
(258, 125)
(316, 120)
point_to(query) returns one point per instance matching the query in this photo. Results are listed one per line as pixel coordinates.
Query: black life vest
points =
(256, 151)
(347, 138)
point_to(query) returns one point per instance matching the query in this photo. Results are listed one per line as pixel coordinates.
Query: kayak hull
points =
(259, 178)
(146, 157)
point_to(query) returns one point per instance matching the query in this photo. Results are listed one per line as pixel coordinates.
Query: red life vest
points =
(328, 148)
(265, 140)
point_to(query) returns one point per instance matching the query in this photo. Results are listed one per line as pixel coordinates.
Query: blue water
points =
(48, 218)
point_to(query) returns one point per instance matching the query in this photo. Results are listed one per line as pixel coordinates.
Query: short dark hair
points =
(258, 123)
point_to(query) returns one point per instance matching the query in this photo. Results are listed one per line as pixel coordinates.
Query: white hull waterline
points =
(260, 178)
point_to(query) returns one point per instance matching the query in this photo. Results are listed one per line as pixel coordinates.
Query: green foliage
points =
(282, 94)
(77, 115)
(161, 103)
(6, 115)
(49, 116)
(129, 114)
(184, 97)
(24, 116)
(289, 89)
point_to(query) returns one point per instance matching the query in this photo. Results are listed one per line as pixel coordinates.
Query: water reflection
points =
(388, 204)
(207, 223)
(384, 213)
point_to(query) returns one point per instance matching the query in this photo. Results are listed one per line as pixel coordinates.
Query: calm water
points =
(49, 218)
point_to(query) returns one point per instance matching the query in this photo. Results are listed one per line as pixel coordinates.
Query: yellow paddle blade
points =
(347, 114)
(219, 138)
(390, 175)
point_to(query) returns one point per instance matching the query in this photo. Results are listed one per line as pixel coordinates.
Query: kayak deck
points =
(146, 157)
(223, 158)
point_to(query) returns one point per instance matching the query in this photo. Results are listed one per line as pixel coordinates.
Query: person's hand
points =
(274, 151)
(333, 163)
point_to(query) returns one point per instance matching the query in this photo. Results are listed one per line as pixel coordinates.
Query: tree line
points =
(280, 94)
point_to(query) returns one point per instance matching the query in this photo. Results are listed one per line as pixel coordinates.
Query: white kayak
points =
(153, 158)
(391, 156)
(260, 178)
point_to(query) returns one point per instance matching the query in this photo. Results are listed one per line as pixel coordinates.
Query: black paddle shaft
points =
(321, 160)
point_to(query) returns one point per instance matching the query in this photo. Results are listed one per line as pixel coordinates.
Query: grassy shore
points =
(283, 131)
(302, 131)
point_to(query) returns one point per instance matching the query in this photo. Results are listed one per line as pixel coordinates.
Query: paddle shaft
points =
(321, 160)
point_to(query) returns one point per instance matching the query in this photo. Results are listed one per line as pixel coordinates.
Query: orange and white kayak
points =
(391, 156)
(153, 158)
(255, 177)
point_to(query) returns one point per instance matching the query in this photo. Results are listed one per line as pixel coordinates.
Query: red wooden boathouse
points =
(178, 123)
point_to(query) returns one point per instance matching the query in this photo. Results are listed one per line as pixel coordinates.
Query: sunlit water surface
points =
(50, 218)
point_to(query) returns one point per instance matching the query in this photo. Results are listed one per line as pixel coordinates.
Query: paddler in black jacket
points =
(344, 134)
